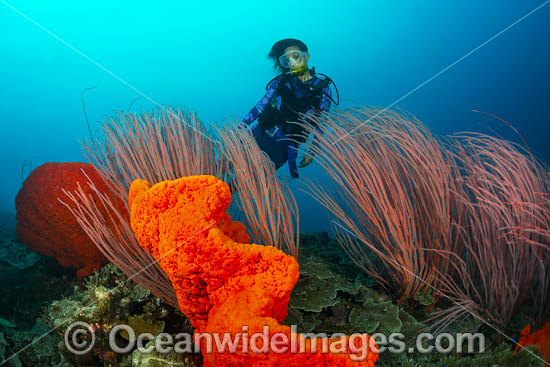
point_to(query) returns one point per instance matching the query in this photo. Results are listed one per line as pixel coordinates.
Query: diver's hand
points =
(306, 160)
(242, 126)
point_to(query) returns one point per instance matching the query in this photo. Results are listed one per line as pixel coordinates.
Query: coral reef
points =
(172, 359)
(326, 270)
(222, 282)
(325, 302)
(339, 301)
(334, 295)
(418, 209)
(143, 324)
(109, 299)
(120, 300)
(17, 254)
(31, 347)
(27, 288)
(47, 226)
(499, 356)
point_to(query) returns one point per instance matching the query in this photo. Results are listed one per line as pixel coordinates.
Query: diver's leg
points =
(292, 150)
(274, 146)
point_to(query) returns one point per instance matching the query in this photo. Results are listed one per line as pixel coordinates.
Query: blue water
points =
(211, 57)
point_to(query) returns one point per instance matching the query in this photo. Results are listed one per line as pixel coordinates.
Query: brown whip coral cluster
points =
(222, 282)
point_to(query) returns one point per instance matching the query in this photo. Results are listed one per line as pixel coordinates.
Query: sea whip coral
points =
(223, 282)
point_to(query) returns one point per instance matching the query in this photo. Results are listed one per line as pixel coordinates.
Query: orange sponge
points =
(540, 338)
(223, 283)
(47, 226)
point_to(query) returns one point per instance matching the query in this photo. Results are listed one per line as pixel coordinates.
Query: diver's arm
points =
(326, 100)
(324, 107)
(259, 107)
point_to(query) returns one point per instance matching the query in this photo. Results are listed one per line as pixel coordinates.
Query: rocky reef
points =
(331, 296)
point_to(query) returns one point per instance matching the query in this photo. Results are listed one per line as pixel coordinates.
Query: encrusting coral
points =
(223, 283)
(107, 299)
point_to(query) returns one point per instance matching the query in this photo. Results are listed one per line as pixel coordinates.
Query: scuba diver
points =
(297, 90)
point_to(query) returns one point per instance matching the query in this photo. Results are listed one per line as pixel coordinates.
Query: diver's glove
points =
(306, 160)
(244, 127)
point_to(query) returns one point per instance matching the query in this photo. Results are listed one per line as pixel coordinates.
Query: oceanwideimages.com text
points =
(80, 339)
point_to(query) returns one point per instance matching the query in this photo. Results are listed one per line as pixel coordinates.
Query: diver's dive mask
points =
(292, 59)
